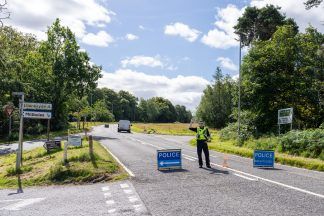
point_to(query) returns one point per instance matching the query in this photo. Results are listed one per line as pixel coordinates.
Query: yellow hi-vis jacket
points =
(202, 133)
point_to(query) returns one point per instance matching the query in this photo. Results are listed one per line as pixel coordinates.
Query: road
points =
(237, 190)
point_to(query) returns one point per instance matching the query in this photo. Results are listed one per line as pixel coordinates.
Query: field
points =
(229, 146)
(40, 168)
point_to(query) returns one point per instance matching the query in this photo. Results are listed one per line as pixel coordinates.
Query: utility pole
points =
(239, 101)
(20, 145)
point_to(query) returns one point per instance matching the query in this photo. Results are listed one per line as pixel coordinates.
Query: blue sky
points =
(167, 48)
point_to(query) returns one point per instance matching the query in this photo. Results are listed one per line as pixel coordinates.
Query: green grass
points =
(163, 128)
(40, 168)
(72, 127)
(229, 147)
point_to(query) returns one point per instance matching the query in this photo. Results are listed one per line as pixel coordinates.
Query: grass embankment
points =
(72, 127)
(163, 128)
(229, 146)
(40, 168)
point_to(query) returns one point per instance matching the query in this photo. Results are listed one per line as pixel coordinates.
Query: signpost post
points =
(263, 158)
(168, 159)
(20, 145)
(285, 116)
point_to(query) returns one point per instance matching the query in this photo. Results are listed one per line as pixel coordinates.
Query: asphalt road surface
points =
(237, 190)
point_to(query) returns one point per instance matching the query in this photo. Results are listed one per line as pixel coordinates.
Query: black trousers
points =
(202, 145)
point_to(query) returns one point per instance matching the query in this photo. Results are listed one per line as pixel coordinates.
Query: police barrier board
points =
(263, 158)
(169, 159)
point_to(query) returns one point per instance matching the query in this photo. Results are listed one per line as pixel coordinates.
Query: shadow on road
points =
(216, 171)
(173, 171)
(19, 189)
(104, 138)
(4, 151)
(270, 168)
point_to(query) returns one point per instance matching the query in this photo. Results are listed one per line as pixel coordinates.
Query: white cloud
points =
(142, 61)
(182, 30)
(102, 39)
(34, 16)
(131, 37)
(141, 27)
(184, 90)
(223, 36)
(172, 68)
(235, 77)
(296, 9)
(227, 63)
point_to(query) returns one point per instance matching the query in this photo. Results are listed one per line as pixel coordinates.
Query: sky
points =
(167, 48)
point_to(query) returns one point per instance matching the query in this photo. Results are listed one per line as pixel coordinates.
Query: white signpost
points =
(37, 115)
(37, 106)
(285, 116)
(74, 140)
(37, 110)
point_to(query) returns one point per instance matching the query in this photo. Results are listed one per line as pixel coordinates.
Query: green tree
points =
(216, 104)
(101, 113)
(312, 3)
(260, 23)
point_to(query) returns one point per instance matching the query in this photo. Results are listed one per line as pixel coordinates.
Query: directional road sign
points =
(37, 106)
(263, 158)
(37, 115)
(169, 159)
(74, 140)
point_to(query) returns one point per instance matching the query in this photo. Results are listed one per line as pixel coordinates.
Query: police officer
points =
(202, 137)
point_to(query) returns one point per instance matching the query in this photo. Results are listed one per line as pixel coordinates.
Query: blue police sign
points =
(169, 159)
(263, 158)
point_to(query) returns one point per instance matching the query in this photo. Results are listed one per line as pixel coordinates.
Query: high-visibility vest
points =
(201, 133)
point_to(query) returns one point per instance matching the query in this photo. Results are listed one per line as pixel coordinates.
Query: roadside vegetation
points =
(162, 128)
(41, 168)
(59, 133)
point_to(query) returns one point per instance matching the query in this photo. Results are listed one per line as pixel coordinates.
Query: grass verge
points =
(72, 127)
(229, 146)
(40, 168)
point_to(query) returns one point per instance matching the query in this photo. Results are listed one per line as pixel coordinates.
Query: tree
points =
(284, 72)
(101, 113)
(260, 24)
(4, 14)
(312, 3)
(70, 70)
(216, 104)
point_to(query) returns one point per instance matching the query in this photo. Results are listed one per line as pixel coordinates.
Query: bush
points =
(309, 143)
(230, 132)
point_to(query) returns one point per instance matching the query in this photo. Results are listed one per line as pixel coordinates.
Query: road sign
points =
(74, 140)
(285, 116)
(37, 106)
(169, 159)
(263, 158)
(37, 115)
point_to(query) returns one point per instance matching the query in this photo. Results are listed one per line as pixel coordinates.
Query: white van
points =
(124, 125)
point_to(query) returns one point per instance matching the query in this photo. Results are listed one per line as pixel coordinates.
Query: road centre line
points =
(253, 176)
(189, 158)
(21, 203)
(242, 176)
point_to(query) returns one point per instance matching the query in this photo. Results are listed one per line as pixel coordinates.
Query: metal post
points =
(9, 128)
(21, 129)
(239, 101)
(48, 129)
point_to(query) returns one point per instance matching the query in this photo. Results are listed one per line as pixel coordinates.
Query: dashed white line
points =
(110, 211)
(124, 185)
(189, 158)
(22, 203)
(105, 188)
(110, 202)
(137, 207)
(107, 195)
(128, 191)
(245, 177)
(132, 199)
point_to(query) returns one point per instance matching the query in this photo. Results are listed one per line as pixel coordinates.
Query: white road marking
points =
(110, 211)
(189, 158)
(133, 199)
(137, 207)
(105, 188)
(253, 176)
(242, 176)
(116, 158)
(124, 185)
(107, 195)
(110, 202)
(128, 191)
(21, 203)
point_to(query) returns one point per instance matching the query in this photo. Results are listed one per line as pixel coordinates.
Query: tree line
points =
(282, 68)
(57, 71)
